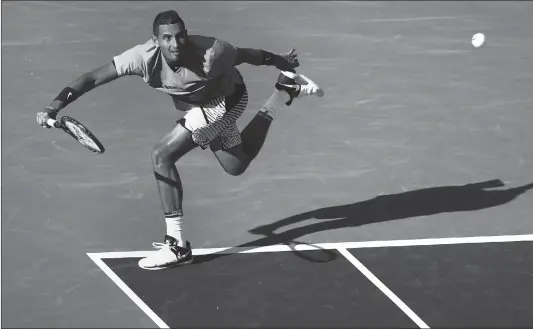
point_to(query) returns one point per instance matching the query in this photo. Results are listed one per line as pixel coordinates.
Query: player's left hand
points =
(288, 61)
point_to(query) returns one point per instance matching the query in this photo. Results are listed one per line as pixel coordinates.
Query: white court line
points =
(331, 246)
(381, 286)
(340, 246)
(128, 291)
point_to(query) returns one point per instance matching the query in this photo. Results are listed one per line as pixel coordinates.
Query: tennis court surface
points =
(411, 283)
(402, 198)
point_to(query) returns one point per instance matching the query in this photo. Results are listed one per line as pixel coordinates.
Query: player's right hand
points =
(287, 62)
(44, 115)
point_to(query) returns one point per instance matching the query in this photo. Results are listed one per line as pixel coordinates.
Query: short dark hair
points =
(166, 17)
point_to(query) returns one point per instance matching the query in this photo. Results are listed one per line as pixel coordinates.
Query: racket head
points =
(80, 133)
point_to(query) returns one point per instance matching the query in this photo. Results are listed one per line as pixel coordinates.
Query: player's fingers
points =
(292, 52)
(41, 120)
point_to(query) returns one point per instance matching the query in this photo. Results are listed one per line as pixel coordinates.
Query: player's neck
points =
(186, 61)
(175, 66)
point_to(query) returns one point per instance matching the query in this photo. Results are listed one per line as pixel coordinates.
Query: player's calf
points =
(288, 86)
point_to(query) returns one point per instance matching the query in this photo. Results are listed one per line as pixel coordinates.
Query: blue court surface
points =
(402, 198)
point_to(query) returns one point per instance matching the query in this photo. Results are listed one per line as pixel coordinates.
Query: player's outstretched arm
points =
(75, 89)
(283, 62)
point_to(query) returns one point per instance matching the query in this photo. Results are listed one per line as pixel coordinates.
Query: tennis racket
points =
(79, 132)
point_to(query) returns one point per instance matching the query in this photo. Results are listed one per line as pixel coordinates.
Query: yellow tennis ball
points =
(478, 40)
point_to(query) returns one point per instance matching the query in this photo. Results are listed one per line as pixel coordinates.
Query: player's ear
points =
(154, 38)
(184, 36)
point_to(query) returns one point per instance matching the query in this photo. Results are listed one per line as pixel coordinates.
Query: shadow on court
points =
(422, 202)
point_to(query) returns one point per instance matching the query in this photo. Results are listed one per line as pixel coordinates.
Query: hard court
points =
(402, 198)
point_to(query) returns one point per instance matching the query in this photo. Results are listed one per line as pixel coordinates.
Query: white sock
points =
(277, 101)
(174, 223)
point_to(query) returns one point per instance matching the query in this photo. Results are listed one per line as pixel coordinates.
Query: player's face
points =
(172, 40)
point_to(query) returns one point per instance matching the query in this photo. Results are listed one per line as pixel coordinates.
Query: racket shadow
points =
(416, 203)
(314, 254)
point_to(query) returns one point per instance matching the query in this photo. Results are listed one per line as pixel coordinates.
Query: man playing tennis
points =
(200, 75)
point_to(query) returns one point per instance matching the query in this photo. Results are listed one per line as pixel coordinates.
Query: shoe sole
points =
(168, 266)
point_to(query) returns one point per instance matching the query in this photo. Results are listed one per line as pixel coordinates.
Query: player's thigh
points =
(173, 145)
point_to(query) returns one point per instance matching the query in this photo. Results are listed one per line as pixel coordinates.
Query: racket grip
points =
(53, 123)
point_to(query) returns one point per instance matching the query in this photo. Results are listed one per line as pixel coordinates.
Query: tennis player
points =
(200, 75)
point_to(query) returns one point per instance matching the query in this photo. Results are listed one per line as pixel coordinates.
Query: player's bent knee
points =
(172, 147)
(158, 158)
(237, 169)
(161, 158)
(234, 162)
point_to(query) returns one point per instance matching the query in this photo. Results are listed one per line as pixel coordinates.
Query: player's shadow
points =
(422, 202)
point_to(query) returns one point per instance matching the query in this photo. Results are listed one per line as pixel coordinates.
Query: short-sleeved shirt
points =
(210, 70)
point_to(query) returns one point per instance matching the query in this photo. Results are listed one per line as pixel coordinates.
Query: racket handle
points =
(53, 123)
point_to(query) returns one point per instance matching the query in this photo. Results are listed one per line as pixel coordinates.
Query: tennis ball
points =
(478, 40)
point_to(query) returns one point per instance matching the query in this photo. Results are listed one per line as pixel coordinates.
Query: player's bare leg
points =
(234, 160)
(165, 154)
(289, 86)
(175, 250)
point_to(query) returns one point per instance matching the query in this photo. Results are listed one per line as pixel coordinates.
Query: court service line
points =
(334, 245)
(124, 287)
(381, 286)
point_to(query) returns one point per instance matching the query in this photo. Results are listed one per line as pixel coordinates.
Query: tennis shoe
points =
(168, 254)
(297, 86)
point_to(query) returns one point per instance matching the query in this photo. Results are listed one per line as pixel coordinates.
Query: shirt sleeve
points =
(221, 58)
(136, 61)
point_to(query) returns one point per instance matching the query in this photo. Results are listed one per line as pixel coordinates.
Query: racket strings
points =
(81, 136)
